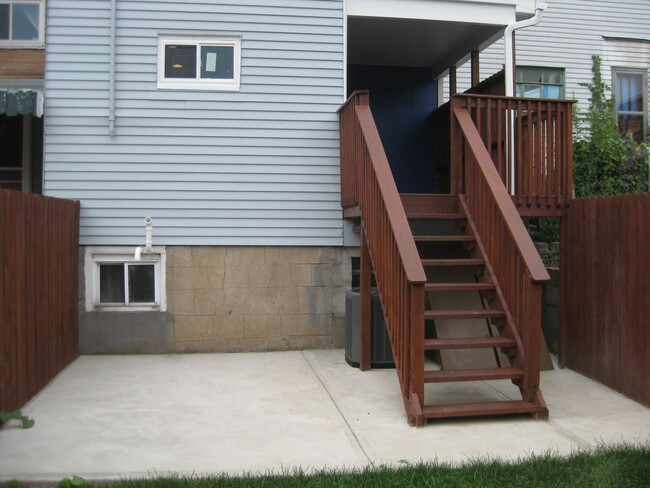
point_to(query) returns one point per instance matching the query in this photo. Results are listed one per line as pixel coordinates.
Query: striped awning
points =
(21, 102)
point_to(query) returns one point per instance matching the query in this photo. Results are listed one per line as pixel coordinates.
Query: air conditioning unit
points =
(381, 355)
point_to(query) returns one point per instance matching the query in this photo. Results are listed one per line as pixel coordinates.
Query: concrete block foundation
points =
(234, 299)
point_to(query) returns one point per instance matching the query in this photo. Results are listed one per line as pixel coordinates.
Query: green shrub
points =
(605, 161)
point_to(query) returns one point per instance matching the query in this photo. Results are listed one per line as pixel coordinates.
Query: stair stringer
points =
(508, 328)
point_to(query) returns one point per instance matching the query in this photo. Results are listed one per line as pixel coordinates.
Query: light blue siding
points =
(254, 167)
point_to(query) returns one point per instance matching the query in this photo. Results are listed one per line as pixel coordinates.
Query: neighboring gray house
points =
(554, 57)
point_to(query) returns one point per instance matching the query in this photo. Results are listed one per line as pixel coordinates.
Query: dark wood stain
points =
(605, 285)
(39, 242)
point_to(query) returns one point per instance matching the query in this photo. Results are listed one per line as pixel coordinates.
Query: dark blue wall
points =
(402, 100)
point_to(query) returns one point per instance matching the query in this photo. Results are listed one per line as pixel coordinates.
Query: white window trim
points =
(9, 44)
(198, 83)
(616, 70)
(94, 256)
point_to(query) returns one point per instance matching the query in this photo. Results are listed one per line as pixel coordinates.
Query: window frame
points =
(644, 77)
(199, 83)
(95, 256)
(21, 44)
(562, 83)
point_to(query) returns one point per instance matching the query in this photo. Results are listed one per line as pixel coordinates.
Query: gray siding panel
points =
(254, 167)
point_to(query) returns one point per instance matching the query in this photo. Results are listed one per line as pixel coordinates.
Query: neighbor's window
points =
(209, 63)
(630, 93)
(116, 281)
(534, 82)
(21, 23)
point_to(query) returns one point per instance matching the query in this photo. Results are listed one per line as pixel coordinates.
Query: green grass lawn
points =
(614, 466)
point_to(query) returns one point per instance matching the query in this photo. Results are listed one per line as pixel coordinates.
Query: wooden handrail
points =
(358, 97)
(367, 183)
(511, 217)
(394, 208)
(508, 248)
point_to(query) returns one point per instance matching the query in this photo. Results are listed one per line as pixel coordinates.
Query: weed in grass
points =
(74, 482)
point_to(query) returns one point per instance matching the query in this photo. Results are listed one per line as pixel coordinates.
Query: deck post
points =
(455, 153)
(366, 304)
(453, 89)
(476, 76)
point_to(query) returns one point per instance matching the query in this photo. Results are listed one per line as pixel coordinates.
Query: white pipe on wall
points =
(111, 69)
(148, 240)
(510, 76)
(148, 233)
(510, 55)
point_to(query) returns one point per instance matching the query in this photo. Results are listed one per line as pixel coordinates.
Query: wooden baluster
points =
(365, 305)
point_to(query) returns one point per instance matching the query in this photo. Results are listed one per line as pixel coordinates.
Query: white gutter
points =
(111, 69)
(510, 75)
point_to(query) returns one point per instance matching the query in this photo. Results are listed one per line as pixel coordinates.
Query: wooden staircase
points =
(457, 247)
(423, 248)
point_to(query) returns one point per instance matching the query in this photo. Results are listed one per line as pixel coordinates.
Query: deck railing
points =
(367, 182)
(510, 251)
(530, 142)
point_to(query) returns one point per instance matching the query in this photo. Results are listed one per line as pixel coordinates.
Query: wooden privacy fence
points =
(605, 292)
(39, 241)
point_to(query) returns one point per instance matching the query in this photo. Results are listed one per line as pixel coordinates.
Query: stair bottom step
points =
(479, 409)
(484, 374)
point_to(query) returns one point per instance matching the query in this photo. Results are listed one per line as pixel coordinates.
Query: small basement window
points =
(206, 63)
(116, 281)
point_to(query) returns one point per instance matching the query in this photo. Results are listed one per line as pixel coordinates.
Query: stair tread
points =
(468, 343)
(458, 286)
(444, 238)
(479, 408)
(435, 216)
(479, 313)
(453, 262)
(451, 375)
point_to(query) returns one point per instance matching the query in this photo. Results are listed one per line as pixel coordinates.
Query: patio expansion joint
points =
(338, 409)
(568, 434)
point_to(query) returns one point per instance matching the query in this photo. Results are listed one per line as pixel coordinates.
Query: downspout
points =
(510, 55)
(510, 75)
(111, 69)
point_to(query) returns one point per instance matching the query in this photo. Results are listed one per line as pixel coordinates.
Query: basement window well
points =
(117, 281)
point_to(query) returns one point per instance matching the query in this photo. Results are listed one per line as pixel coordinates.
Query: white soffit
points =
(492, 12)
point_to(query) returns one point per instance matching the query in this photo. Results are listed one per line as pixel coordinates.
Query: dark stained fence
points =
(39, 242)
(605, 292)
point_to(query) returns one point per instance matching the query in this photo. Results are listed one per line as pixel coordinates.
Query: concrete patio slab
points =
(108, 417)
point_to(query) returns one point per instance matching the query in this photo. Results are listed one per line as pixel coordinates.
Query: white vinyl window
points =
(631, 96)
(22, 23)
(207, 63)
(116, 280)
